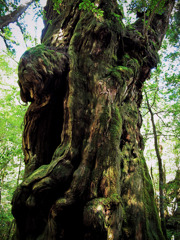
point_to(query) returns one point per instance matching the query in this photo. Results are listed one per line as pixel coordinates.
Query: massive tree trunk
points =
(86, 177)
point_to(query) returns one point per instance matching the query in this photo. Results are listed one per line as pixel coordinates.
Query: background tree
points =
(160, 165)
(163, 94)
(11, 156)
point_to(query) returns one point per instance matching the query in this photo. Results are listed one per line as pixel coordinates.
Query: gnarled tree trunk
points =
(86, 177)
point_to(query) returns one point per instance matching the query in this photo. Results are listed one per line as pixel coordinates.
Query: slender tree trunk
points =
(160, 165)
(11, 230)
(86, 176)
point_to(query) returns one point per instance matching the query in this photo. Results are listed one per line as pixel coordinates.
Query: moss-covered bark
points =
(173, 222)
(85, 84)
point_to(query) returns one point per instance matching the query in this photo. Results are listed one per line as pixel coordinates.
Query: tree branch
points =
(21, 29)
(154, 100)
(6, 38)
(10, 56)
(13, 16)
(150, 19)
(166, 125)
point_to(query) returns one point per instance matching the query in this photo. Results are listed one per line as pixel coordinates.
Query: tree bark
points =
(86, 176)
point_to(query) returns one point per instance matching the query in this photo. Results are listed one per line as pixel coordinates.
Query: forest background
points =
(160, 108)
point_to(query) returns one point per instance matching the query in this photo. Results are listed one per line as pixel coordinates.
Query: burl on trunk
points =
(85, 174)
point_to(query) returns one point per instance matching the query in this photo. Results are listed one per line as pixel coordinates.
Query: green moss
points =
(44, 58)
(117, 75)
(130, 114)
(115, 58)
(114, 199)
(131, 63)
(95, 210)
(123, 72)
(36, 175)
(116, 124)
(123, 69)
(60, 151)
(139, 34)
(139, 201)
(38, 50)
(105, 116)
(75, 40)
(43, 52)
(153, 226)
(126, 161)
(94, 214)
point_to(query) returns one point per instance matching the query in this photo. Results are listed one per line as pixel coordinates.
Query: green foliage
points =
(8, 5)
(146, 9)
(4, 65)
(7, 33)
(121, 69)
(11, 110)
(147, 6)
(89, 6)
(163, 94)
(56, 5)
(11, 168)
(173, 32)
